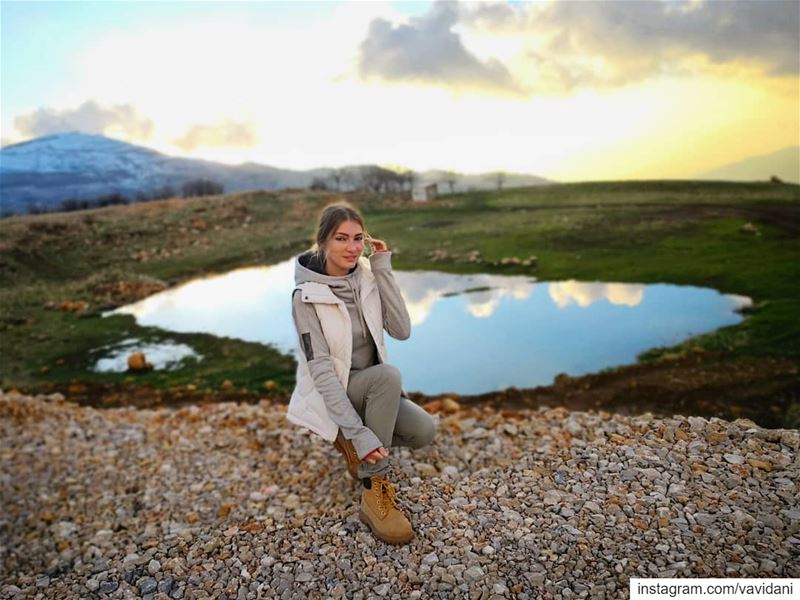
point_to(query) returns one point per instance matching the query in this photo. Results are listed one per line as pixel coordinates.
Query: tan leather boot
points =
(345, 446)
(380, 513)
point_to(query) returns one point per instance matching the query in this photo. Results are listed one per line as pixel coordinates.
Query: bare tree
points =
(201, 187)
(375, 178)
(164, 192)
(319, 183)
(500, 178)
(410, 178)
(451, 178)
(111, 199)
(349, 178)
(336, 176)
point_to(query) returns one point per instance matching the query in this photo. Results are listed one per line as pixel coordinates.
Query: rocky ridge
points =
(231, 501)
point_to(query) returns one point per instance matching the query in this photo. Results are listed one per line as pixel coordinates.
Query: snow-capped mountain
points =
(49, 169)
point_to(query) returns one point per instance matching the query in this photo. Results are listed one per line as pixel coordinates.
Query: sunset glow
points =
(535, 87)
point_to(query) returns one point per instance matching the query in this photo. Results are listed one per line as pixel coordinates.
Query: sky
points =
(570, 90)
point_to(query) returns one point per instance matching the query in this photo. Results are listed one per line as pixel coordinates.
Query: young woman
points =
(346, 392)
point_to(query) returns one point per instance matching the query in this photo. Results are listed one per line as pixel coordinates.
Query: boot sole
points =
(381, 536)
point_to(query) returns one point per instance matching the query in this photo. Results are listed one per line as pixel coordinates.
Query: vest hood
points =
(308, 267)
(347, 288)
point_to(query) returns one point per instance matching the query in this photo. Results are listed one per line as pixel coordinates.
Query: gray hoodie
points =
(346, 287)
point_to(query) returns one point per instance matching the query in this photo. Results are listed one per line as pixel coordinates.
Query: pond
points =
(470, 333)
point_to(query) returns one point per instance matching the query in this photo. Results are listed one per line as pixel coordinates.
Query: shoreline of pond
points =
(51, 342)
(763, 390)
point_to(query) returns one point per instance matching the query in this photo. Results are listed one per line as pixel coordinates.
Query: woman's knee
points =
(424, 434)
(429, 431)
(389, 376)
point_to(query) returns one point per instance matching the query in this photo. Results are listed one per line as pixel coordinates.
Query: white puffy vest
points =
(306, 406)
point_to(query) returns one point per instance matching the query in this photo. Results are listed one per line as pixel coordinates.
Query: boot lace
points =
(385, 493)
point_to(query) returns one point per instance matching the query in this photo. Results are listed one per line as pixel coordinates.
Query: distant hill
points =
(785, 164)
(47, 170)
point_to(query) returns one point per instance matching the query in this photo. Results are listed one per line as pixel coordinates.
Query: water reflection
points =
(423, 289)
(471, 333)
(162, 355)
(584, 294)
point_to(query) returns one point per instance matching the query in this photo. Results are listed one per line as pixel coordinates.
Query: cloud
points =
(121, 120)
(423, 289)
(564, 293)
(223, 133)
(427, 50)
(591, 44)
(561, 47)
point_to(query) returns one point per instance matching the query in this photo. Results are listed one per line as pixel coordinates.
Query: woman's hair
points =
(331, 217)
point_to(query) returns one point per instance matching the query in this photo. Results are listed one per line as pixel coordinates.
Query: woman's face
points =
(343, 248)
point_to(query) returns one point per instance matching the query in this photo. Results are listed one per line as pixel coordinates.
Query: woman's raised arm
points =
(395, 314)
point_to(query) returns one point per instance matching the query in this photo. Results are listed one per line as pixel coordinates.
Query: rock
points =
(426, 470)
(759, 464)
(768, 565)
(76, 306)
(138, 362)
(681, 434)
(705, 519)
(449, 405)
(66, 529)
(450, 471)
(108, 587)
(742, 519)
(676, 489)
(791, 439)
(561, 380)
(716, 437)
(772, 521)
(734, 459)
(147, 585)
(552, 497)
(591, 506)
(228, 500)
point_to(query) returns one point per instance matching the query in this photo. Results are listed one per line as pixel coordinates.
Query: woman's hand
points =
(376, 455)
(378, 245)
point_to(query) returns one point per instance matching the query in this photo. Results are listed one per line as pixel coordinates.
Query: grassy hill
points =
(685, 232)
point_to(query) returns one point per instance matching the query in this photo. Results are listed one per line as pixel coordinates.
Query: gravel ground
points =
(232, 501)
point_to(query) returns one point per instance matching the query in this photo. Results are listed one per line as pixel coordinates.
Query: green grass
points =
(644, 232)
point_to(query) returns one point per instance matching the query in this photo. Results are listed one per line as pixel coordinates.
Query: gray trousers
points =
(375, 393)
